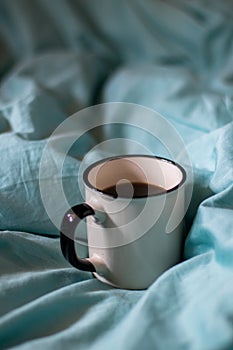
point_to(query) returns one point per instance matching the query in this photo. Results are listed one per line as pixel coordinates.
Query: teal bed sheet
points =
(58, 57)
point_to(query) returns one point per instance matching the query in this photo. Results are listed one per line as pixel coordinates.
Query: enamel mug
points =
(134, 208)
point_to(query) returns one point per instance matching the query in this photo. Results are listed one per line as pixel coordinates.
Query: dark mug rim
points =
(108, 159)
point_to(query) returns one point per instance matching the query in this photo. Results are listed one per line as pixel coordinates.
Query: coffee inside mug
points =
(134, 176)
(127, 189)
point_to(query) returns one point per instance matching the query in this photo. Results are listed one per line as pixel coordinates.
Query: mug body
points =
(137, 237)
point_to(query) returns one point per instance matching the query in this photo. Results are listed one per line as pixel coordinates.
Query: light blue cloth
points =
(59, 57)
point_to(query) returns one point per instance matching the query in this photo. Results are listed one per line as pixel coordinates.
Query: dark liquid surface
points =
(133, 190)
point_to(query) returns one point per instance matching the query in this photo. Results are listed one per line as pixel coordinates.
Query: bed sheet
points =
(58, 57)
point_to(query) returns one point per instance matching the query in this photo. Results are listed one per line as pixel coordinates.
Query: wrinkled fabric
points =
(59, 57)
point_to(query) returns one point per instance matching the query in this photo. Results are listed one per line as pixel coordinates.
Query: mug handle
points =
(69, 223)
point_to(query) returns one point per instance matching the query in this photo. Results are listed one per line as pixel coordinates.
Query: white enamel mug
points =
(132, 237)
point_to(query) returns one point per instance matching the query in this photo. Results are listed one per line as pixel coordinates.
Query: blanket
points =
(60, 57)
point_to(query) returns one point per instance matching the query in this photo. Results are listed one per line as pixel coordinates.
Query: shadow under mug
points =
(133, 237)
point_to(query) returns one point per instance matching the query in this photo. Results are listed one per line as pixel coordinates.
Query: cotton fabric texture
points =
(58, 57)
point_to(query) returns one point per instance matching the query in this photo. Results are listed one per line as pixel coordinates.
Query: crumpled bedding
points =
(58, 57)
